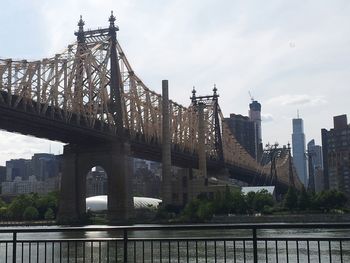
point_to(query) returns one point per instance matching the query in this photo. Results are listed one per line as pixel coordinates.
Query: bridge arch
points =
(77, 162)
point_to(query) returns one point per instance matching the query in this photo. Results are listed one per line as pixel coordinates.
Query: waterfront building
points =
(146, 178)
(2, 174)
(244, 131)
(299, 154)
(315, 159)
(247, 130)
(31, 185)
(336, 155)
(40, 174)
(96, 182)
(18, 168)
(140, 164)
(44, 166)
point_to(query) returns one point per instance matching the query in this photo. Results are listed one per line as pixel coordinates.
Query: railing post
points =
(125, 245)
(255, 246)
(14, 246)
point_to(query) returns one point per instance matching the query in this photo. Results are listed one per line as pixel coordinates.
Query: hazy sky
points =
(289, 54)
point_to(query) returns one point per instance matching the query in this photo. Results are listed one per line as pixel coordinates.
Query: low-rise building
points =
(32, 185)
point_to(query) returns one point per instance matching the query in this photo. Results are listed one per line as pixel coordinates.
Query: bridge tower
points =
(208, 138)
(113, 156)
(272, 152)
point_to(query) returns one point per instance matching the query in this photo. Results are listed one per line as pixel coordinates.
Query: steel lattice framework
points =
(76, 87)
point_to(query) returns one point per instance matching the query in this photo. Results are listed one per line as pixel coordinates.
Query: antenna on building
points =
(298, 113)
(250, 95)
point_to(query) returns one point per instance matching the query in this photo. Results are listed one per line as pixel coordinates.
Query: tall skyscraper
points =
(299, 154)
(315, 166)
(255, 116)
(244, 131)
(336, 155)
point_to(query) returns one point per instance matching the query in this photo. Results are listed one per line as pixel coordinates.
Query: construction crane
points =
(250, 95)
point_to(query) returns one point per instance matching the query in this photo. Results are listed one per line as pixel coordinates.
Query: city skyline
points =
(289, 56)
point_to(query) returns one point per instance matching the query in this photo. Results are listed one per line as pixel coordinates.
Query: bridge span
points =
(90, 98)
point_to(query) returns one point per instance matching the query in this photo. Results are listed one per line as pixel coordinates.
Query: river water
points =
(182, 248)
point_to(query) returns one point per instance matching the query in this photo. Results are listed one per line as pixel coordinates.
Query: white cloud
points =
(14, 146)
(266, 117)
(300, 99)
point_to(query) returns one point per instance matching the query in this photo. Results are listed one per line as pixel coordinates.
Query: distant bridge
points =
(89, 97)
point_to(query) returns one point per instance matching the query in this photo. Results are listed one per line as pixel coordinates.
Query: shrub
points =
(49, 214)
(30, 213)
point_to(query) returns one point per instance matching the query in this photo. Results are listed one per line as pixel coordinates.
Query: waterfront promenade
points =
(178, 243)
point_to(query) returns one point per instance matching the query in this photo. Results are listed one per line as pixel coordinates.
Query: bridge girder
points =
(74, 97)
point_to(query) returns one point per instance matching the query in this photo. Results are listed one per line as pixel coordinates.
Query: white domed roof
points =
(99, 203)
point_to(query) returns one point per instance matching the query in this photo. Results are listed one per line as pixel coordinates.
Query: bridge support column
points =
(166, 150)
(120, 198)
(70, 206)
(77, 162)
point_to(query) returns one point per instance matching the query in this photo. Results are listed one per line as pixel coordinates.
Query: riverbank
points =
(28, 223)
(220, 219)
(287, 218)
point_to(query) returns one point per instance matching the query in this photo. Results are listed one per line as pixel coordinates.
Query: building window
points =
(184, 181)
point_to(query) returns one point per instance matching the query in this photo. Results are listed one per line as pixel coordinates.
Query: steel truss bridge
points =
(89, 95)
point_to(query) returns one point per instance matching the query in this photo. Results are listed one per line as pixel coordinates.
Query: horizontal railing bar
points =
(181, 227)
(62, 240)
(184, 239)
(131, 239)
(304, 239)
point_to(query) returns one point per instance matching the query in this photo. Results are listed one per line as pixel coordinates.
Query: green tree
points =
(2, 203)
(49, 214)
(18, 205)
(331, 199)
(4, 212)
(204, 211)
(43, 203)
(262, 200)
(238, 202)
(291, 199)
(303, 200)
(190, 211)
(30, 213)
(227, 201)
(217, 203)
(250, 202)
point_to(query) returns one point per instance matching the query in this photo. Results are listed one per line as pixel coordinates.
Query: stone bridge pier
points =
(78, 160)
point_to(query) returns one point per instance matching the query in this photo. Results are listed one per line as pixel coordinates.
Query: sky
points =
(290, 55)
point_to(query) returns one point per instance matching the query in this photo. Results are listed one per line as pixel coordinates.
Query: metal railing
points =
(178, 243)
